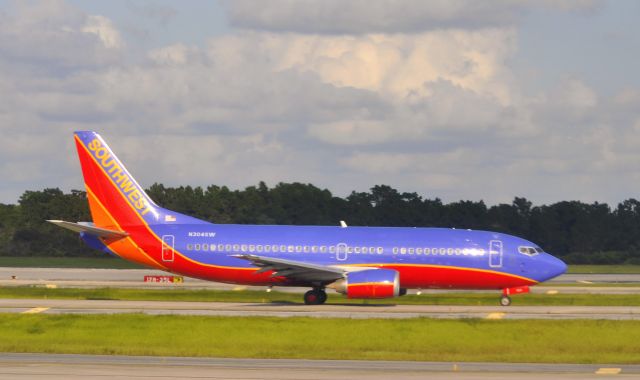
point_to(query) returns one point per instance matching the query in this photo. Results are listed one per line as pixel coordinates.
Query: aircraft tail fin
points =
(115, 198)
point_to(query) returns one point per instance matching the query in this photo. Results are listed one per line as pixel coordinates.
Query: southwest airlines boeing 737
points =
(360, 262)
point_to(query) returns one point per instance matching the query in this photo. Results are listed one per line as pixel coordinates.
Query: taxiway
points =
(369, 310)
(65, 367)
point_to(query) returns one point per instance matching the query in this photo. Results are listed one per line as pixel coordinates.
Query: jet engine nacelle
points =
(370, 283)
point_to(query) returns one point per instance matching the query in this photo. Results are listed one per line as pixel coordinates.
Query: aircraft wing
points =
(90, 229)
(294, 270)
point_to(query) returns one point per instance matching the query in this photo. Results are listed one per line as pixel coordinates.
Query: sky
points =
(455, 99)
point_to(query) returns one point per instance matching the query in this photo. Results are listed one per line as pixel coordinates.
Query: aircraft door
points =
(495, 253)
(341, 252)
(167, 247)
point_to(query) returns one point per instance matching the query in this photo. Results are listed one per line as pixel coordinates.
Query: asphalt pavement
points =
(66, 367)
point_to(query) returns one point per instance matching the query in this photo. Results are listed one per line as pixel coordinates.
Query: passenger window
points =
(205, 247)
(259, 248)
(314, 248)
(267, 248)
(380, 250)
(411, 251)
(213, 247)
(228, 247)
(190, 247)
(395, 250)
(283, 248)
(197, 247)
(427, 251)
(306, 248)
(418, 251)
(323, 249)
(458, 251)
(298, 248)
(403, 250)
(356, 249)
(332, 249)
(252, 248)
(244, 248)
(443, 251)
(349, 249)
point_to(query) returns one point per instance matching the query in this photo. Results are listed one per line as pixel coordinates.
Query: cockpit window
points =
(529, 251)
(539, 250)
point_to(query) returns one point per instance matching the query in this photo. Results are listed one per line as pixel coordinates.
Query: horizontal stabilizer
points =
(90, 229)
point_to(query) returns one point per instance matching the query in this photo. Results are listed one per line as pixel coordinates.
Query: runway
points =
(133, 278)
(53, 306)
(65, 367)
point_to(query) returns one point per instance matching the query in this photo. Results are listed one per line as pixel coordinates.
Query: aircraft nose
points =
(556, 267)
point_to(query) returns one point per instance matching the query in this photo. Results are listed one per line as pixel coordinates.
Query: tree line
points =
(580, 233)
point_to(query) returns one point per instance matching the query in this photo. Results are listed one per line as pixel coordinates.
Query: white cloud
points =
(396, 65)
(56, 37)
(104, 29)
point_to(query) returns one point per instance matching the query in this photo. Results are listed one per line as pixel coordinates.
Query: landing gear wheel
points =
(311, 298)
(505, 301)
(315, 297)
(323, 297)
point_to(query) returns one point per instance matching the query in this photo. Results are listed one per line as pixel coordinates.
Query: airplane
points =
(359, 262)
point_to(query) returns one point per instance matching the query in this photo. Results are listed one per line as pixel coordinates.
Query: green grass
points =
(66, 262)
(543, 341)
(253, 296)
(613, 269)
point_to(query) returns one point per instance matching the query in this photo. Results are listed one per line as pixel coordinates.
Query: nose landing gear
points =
(316, 296)
(505, 300)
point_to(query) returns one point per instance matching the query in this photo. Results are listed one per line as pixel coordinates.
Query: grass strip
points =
(541, 341)
(604, 269)
(104, 262)
(253, 296)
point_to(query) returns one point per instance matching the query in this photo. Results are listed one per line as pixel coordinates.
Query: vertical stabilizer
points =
(116, 200)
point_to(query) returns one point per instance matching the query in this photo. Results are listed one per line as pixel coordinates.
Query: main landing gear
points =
(315, 296)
